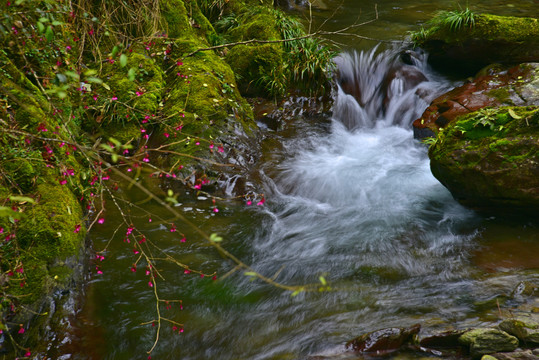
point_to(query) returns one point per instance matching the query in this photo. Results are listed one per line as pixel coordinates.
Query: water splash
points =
(384, 88)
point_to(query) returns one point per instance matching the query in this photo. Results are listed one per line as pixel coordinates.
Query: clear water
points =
(351, 199)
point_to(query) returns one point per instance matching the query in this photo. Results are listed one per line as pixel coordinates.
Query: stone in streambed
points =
(487, 341)
(384, 340)
(515, 355)
(525, 329)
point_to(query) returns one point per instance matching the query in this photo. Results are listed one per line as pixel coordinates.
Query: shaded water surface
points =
(351, 199)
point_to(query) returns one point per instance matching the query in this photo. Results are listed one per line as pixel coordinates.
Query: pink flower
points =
(183, 239)
(261, 202)
(101, 220)
(150, 283)
(179, 63)
(133, 268)
(211, 146)
(63, 181)
(166, 135)
(135, 251)
(77, 229)
(139, 93)
(215, 210)
(186, 271)
(198, 186)
(28, 354)
(114, 98)
(41, 127)
(220, 149)
(21, 330)
(249, 202)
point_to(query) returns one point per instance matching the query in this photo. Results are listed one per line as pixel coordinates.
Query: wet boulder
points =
(487, 341)
(489, 159)
(525, 329)
(384, 340)
(472, 44)
(494, 86)
(515, 355)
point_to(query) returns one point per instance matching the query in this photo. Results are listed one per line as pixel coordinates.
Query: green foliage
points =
(454, 20)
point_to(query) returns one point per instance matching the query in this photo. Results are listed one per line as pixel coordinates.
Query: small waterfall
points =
(384, 88)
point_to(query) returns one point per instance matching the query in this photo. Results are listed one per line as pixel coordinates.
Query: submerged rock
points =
(384, 340)
(488, 341)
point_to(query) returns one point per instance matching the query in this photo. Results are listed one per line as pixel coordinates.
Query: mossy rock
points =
(260, 26)
(46, 234)
(252, 63)
(487, 341)
(489, 160)
(492, 39)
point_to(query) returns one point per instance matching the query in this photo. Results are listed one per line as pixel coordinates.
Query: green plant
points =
(454, 19)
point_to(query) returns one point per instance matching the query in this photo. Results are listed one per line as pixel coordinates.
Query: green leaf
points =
(107, 147)
(94, 80)
(215, 238)
(250, 273)
(90, 72)
(7, 212)
(57, 23)
(22, 199)
(43, 20)
(115, 51)
(131, 74)
(123, 60)
(40, 27)
(513, 114)
(115, 142)
(72, 74)
(295, 293)
(61, 77)
(49, 34)
(106, 86)
(323, 280)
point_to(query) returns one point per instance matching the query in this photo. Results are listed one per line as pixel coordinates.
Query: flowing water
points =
(350, 198)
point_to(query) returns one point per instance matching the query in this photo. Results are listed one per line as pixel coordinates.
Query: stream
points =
(349, 197)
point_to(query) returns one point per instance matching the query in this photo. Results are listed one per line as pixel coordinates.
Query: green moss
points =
(261, 26)
(490, 166)
(253, 62)
(46, 235)
(501, 94)
(487, 27)
(175, 15)
(23, 172)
